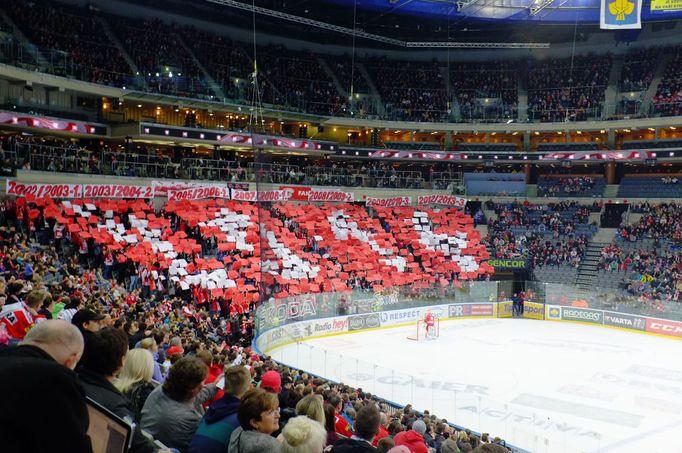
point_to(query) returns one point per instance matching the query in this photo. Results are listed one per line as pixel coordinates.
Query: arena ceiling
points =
(554, 21)
(481, 21)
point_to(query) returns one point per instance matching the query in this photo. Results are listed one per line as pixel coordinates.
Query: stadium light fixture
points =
(538, 5)
(463, 4)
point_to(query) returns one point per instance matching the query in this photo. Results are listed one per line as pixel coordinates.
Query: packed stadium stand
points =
(667, 100)
(568, 89)
(191, 187)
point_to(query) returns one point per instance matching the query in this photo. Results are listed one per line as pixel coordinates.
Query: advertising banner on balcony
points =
(19, 189)
(665, 5)
(117, 191)
(620, 14)
(264, 195)
(448, 200)
(161, 188)
(331, 195)
(298, 193)
(388, 202)
(198, 193)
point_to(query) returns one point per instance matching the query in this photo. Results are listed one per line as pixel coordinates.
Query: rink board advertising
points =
(628, 321)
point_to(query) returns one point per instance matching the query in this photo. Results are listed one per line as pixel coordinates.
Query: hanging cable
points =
(570, 72)
(352, 61)
(256, 115)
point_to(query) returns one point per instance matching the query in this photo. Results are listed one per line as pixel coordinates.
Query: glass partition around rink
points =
(285, 326)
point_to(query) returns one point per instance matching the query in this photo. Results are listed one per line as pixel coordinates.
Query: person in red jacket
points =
(214, 372)
(414, 438)
(341, 425)
(383, 432)
(429, 322)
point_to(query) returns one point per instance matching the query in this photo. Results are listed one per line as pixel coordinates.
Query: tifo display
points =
(218, 241)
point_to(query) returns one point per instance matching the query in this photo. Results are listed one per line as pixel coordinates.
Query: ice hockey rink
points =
(542, 386)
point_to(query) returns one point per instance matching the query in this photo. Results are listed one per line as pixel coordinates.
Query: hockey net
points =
(419, 333)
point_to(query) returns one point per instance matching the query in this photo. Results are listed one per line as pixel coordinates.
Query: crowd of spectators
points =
(160, 56)
(227, 63)
(577, 186)
(571, 89)
(176, 366)
(342, 66)
(638, 72)
(668, 98)
(410, 91)
(297, 80)
(548, 239)
(662, 221)
(59, 155)
(487, 91)
(638, 69)
(348, 174)
(650, 275)
(72, 42)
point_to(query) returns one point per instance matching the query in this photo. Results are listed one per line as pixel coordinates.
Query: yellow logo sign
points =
(621, 8)
(665, 5)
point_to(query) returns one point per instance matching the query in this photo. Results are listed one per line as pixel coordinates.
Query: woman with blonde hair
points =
(135, 380)
(312, 407)
(150, 345)
(303, 435)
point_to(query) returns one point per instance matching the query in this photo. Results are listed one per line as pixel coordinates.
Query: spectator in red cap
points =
(271, 381)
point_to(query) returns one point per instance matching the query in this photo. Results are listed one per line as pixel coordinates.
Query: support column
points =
(611, 139)
(610, 170)
(448, 141)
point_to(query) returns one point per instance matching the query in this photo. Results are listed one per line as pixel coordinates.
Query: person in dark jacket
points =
(216, 426)
(87, 322)
(102, 360)
(367, 424)
(35, 418)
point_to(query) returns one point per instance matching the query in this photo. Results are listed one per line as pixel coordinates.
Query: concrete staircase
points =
(611, 95)
(374, 93)
(446, 79)
(588, 266)
(214, 86)
(327, 70)
(605, 235)
(26, 44)
(126, 56)
(523, 100)
(655, 82)
(611, 191)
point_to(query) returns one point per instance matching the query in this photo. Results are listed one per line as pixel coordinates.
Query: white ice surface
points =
(543, 386)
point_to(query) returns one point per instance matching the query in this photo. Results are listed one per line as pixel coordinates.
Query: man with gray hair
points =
(42, 393)
(414, 438)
